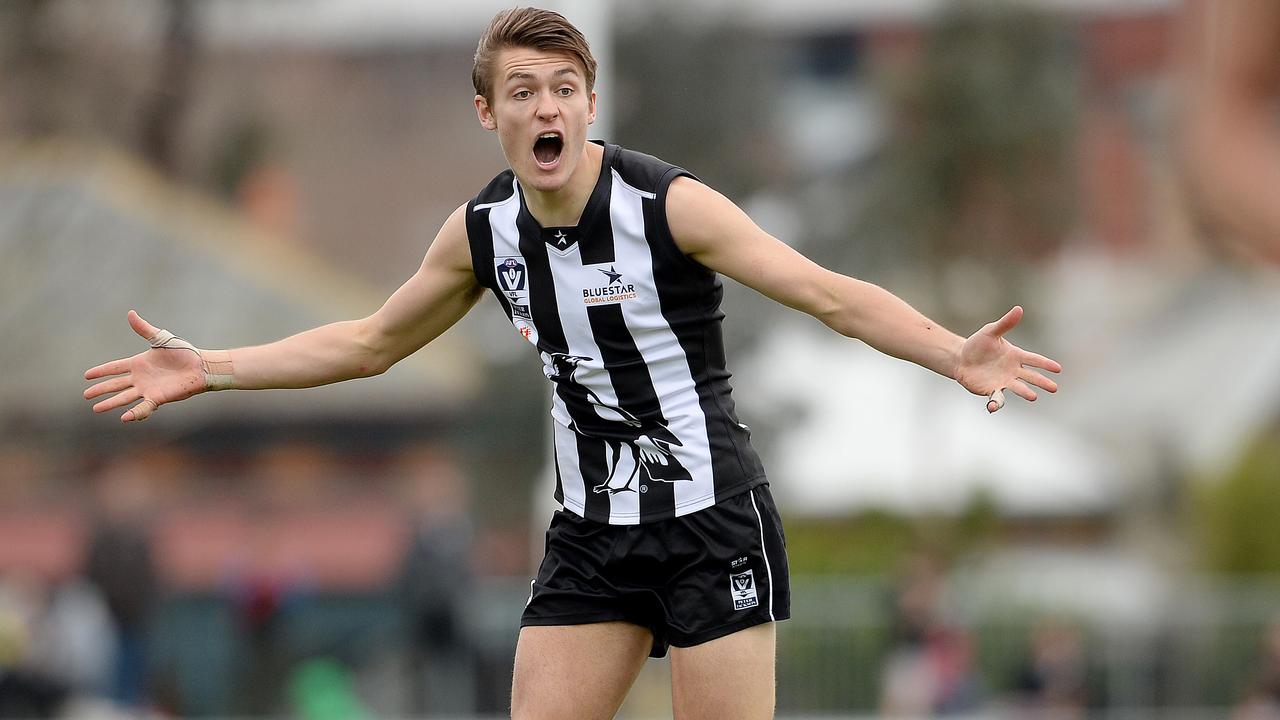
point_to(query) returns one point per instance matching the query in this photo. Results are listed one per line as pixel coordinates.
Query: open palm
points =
(152, 378)
(988, 364)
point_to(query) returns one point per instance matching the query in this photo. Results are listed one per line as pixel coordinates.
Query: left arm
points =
(717, 234)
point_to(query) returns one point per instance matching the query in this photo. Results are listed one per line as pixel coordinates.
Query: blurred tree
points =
(28, 60)
(163, 113)
(977, 164)
(692, 94)
(1235, 516)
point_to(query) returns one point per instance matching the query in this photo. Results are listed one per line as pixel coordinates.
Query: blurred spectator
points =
(436, 582)
(73, 640)
(930, 670)
(1051, 683)
(1262, 701)
(25, 691)
(271, 579)
(1229, 133)
(120, 565)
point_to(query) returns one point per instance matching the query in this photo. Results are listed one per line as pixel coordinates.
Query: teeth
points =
(548, 136)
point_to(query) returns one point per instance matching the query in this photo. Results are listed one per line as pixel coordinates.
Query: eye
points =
(565, 91)
(522, 95)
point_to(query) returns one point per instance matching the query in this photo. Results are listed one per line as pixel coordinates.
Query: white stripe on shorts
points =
(763, 550)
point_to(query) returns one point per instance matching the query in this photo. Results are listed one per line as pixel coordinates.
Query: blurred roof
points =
(857, 429)
(1188, 373)
(87, 233)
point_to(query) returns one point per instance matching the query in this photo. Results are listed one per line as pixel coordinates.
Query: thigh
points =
(576, 672)
(729, 677)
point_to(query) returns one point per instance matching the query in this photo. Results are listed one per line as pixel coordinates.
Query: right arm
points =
(442, 290)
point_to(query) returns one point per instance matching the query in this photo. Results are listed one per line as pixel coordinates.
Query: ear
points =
(485, 113)
(591, 109)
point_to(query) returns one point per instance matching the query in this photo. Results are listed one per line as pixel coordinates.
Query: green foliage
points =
(1236, 515)
(876, 542)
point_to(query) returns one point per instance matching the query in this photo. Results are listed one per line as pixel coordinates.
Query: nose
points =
(547, 108)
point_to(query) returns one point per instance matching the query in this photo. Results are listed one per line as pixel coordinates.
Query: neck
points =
(563, 207)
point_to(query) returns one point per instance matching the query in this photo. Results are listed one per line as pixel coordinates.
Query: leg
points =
(576, 672)
(729, 677)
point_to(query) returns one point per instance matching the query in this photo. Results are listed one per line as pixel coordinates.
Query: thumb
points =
(142, 327)
(1006, 323)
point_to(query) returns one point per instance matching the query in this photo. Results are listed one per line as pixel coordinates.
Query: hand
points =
(988, 364)
(156, 377)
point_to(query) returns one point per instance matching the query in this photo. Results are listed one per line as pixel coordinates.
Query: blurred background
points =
(240, 170)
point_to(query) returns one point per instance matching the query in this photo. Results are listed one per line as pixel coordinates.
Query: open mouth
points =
(546, 149)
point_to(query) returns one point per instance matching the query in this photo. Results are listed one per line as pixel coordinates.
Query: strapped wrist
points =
(218, 371)
(216, 364)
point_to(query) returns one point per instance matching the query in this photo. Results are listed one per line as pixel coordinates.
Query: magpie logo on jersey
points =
(640, 450)
(614, 290)
(742, 588)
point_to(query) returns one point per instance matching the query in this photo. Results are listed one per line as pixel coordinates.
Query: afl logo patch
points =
(512, 276)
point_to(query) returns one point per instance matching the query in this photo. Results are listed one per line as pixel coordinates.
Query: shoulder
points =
(452, 241)
(644, 172)
(499, 190)
(700, 218)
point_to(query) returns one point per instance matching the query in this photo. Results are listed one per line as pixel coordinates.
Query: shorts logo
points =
(742, 587)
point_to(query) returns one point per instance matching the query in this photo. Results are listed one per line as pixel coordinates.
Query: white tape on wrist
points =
(218, 375)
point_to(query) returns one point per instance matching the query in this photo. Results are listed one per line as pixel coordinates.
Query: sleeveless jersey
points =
(628, 330)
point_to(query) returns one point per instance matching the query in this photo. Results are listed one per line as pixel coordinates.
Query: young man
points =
(605, 260)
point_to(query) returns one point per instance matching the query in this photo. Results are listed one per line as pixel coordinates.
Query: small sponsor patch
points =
(527, 331)
(520, 312)
(742, 587)
(739, 562)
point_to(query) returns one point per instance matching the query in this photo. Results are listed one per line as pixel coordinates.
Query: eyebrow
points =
(526, 75)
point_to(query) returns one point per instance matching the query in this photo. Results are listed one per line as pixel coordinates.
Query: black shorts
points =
(689, 579)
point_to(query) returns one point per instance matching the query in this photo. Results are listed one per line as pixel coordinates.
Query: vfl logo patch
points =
(513, 283)
(512, 276)
(742, 588)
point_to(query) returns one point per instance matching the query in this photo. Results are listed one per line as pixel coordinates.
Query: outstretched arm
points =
(716, 233)
(442, 290)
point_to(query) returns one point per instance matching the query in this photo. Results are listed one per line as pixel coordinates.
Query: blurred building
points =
(239, 170)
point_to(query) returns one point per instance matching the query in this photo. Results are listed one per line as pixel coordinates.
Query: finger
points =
(141, 411)
(1021, 389)
(144, 329)
(1040, 361)
(1006, 323)
(996, 402)
(123, 398)
(108, 386)
(115, 367)
(1035, 378)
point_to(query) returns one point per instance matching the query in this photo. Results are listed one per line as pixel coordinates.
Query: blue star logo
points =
(614, 276)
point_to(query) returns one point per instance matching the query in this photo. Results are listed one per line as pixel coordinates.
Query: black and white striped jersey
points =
(628, 330)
